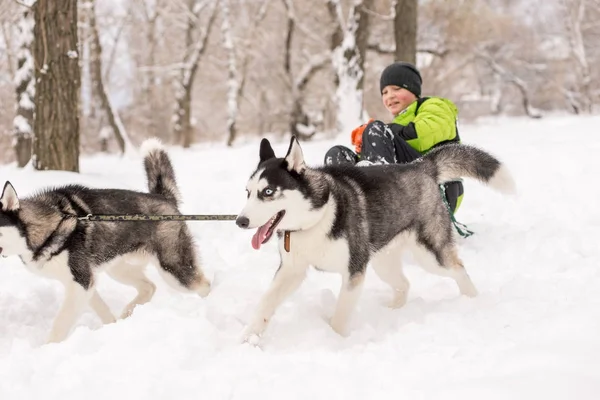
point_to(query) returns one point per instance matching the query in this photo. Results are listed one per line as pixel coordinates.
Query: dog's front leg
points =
(101, 308)
(76, 298)
(349, 294)
(287, 279)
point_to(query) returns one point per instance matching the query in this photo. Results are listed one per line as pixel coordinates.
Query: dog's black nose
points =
(242, 222)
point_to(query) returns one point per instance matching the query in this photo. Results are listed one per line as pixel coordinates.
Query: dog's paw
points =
(127, 312)
(250, 336)
(202, 287)
(253, 332)
(252, 339)
(470, 292)
(398, 301)
(338, 328)
(204, 291)
(395, 304)
(54, 338)
(468, 289)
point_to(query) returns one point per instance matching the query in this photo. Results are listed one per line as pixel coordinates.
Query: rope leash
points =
(144, 217)
(197, 217)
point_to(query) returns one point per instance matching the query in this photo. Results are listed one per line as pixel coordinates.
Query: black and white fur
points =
(343, 217)
(43, 230)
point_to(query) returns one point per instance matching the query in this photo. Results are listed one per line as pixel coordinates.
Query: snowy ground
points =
(534, 331)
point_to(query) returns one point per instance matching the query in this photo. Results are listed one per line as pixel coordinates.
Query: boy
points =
(419, 124)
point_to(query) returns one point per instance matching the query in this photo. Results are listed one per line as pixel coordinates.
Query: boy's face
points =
(396, 99)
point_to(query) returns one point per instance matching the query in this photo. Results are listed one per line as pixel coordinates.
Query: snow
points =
(26, 101)
(533, 332)
(305, 129)
(25, 27)
(105, 133)
(22, 125)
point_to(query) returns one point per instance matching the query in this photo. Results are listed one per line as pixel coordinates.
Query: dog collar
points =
(286, 241)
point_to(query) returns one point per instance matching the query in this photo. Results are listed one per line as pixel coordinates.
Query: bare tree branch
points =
(388, 17)
(115, 45)
(391, 49)
(7, 45)
(508, 76)
(23, 3)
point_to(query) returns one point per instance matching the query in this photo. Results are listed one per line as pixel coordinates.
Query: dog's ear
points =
(266, 151)
(9, 199)
(294, 157)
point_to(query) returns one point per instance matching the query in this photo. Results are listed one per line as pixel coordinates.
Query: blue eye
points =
(268, 191)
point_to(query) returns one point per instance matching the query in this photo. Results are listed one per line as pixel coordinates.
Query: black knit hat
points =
(404, 75)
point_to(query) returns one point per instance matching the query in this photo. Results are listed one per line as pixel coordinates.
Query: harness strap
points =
(460, 228)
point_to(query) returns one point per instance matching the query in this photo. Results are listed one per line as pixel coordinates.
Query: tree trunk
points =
(238, 66)
(337, 35)
(151, 112)
(25, 90)
(232, 74)
(575, 14)
(98, 83)
(297, 115)
(57, 74)
(405, 30)
(182, 124)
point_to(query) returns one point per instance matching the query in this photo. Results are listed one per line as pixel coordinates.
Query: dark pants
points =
(381, 145)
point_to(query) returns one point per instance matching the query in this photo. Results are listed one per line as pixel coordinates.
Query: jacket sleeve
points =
(434, 123)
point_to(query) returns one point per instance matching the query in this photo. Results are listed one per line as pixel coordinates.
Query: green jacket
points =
(426, 123)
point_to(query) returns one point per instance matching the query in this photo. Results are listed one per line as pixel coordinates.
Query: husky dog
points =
(44, 231)
(339, 218)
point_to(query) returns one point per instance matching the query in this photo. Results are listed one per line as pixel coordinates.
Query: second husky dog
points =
(340, 218)
(45, 232)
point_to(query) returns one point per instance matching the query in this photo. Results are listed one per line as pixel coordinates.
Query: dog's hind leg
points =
(387, 264)
(445, 262)
(179, 263)
(347, 299)
(101, 308)
(184, 278)
(287, 279)
(133, 275)
(459, 273)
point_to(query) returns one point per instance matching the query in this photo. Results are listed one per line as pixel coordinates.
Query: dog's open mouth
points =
(264, 233)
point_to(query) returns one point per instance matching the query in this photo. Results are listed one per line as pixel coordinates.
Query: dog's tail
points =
(159, 170)
(454, 161)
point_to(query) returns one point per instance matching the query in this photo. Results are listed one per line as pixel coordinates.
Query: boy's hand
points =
(357, 134)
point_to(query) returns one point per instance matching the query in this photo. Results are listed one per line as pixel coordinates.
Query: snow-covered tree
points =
(349, 45)
(233, 75)
(25, 88)
(579, 94)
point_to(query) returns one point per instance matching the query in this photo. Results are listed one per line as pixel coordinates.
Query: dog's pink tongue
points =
(259, 236)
